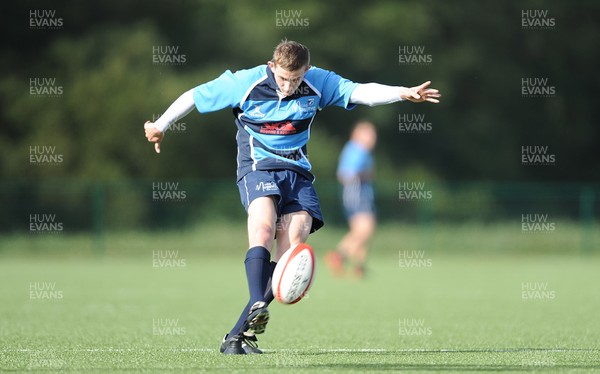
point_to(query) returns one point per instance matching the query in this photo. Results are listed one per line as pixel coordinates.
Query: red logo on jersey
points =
(278, 128)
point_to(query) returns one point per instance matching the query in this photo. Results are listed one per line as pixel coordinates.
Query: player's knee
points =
(364, 232)
(295, 240)
(263, 234)
(368, 229)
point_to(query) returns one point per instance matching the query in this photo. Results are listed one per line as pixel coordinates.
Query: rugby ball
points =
(293, 274)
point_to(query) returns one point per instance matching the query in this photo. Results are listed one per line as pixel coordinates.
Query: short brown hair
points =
(291, 55)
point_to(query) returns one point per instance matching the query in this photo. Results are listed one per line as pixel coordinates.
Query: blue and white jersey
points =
(273, 131)
(355, 169)
(355, 162)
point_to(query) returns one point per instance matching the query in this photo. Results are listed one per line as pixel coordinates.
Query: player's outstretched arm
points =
(379, 94)
(155, 131)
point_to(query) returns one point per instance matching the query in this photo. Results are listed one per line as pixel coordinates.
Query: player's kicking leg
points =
(292, 229)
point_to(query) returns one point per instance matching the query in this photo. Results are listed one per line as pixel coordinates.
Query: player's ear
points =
(306, 69)
(271, 65)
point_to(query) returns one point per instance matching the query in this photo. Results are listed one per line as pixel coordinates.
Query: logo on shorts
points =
(267, 186)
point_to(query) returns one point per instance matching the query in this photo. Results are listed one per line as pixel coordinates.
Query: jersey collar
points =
(271, 82)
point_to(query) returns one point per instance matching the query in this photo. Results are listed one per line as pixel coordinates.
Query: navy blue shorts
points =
(358, 198)
(293, 191)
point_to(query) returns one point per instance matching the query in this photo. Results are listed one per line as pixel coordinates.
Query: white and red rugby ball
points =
(293, 274)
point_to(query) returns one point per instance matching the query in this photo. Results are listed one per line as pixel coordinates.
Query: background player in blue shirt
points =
(355, 172)
(274, 106)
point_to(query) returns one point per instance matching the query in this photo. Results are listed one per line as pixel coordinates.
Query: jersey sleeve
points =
(335, 90)
(226, 91)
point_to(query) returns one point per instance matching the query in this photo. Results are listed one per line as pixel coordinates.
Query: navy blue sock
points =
(257, 267)
(239, 326)
(269, 290)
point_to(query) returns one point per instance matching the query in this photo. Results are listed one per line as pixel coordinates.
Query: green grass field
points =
(64, 308)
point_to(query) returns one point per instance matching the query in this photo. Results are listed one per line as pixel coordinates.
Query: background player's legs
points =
(353, 246)
(362, 226)
(261, 231)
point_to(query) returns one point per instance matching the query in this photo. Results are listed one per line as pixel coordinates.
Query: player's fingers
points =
(432, 100)
(157, 147)
(423, 85)
(430, 92)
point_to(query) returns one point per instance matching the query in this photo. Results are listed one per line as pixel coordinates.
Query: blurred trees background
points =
(102, 57)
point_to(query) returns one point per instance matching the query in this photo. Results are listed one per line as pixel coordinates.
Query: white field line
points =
(322, 350)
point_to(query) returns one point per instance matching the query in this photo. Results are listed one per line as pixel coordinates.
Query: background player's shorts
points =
(294, 192)
(358, 198)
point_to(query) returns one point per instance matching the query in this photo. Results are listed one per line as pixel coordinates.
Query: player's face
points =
(287, 81)
(365, 135)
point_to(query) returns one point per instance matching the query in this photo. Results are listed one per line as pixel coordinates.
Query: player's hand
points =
(153, 135)
(419, 94)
